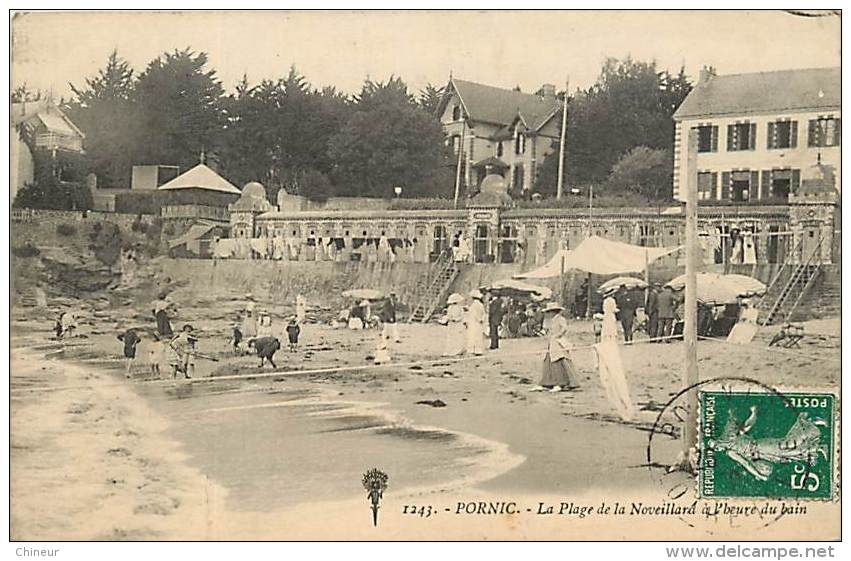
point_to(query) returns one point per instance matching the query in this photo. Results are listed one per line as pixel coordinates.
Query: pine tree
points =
(430, 98)
(180, 109)
(103, 111)
(389, 141)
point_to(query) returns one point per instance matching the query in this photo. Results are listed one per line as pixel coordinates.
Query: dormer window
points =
(519, 142)
(456, 113)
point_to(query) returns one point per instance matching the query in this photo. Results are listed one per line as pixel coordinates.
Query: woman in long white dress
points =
(612, 374)
(454, 344)
(474, 321)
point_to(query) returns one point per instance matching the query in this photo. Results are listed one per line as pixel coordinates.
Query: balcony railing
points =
(196, 211)
(51, 141)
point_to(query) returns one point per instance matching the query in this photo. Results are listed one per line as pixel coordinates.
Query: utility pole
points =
(590, 233)
(458, 165)
(690, 374)
(560, 188)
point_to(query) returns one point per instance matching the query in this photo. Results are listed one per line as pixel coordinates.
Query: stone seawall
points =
(322, 282)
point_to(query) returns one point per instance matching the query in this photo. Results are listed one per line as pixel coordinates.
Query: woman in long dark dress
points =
(559, 373)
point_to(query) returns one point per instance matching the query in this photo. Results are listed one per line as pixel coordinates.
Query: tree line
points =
(320, 142)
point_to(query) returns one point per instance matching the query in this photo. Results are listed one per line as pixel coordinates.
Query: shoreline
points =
(564, 445)
(102, 460)
(173, 463)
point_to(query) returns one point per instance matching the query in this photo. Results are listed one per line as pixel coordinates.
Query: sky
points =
(500, 48)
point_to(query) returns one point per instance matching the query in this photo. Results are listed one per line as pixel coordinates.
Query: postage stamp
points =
(767, 444)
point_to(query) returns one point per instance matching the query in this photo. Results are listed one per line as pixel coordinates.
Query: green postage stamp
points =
(767, 444)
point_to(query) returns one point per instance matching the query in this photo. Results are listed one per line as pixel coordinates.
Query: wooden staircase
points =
(432, 290)
(783, 297)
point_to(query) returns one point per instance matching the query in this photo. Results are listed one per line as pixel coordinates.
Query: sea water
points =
(272, 447)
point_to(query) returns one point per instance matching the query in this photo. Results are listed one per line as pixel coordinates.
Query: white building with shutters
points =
(756, 132)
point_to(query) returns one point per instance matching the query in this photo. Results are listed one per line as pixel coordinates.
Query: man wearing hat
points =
(665, 305)
(475, 324)
(388, 319)
(495, 314)
(652, 310)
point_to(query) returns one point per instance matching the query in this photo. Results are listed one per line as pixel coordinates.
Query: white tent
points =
(600, 256)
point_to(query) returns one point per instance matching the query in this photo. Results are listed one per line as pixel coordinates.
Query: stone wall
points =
(55, 217)
(322, 283)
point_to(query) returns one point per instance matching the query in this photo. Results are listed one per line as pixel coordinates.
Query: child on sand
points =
(382, 355)
(155, 355)
(184, 346)
(236, 339)
(264, 325)
(130, 339)
(293, 331)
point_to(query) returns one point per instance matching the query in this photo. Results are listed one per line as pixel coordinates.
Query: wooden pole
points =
(690, 372)
(458, 165)
(590, 233)
(646, 278)
(560, 188)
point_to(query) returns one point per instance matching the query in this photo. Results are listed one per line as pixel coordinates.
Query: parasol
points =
(615, 283)
(363, 294)
(713, 288)
(512, 287)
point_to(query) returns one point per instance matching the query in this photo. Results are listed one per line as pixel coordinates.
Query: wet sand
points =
(120, 458)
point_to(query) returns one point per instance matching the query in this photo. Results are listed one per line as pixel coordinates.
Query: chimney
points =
(547, 91)
(706, 74)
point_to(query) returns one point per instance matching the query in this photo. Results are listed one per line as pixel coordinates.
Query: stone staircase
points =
(431, 291)
(791, 287)
(825, 297)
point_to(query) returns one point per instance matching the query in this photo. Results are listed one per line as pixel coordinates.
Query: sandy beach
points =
(95, 456)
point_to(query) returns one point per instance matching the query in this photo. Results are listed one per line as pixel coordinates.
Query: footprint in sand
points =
(79, 408)
(162, 506)
(126, 432)
(121, 452)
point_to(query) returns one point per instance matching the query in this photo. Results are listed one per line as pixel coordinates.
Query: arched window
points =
(456, 113)
(499, 149)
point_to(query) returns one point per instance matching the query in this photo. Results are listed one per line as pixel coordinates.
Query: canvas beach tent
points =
(601, 257)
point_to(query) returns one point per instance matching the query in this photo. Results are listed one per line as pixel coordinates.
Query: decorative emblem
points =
(375, 483)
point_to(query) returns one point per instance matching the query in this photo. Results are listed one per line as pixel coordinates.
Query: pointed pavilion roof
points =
(201, 177)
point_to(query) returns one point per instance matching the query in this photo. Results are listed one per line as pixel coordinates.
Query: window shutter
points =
(753, 188)
(837, 131)
(714, 180)
(765, 192)
(731, 140)
(793, 134)
(812, 133)
(715, 139)
(796, 180)
(752, 137)
(772, 135)
(725, 186)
